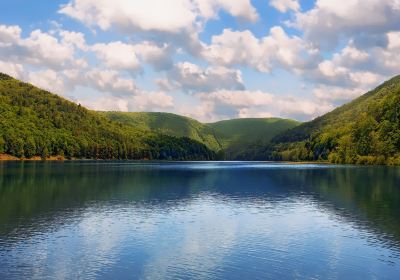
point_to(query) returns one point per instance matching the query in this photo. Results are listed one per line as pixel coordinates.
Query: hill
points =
(235, 136)
(230, 137)
(364, 131)
(168, 124)
(34, 122)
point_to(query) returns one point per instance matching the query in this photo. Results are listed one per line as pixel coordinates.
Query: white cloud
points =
(167, 35)
(142, 101)
(285, 5)
(366, 21)
(276, 49)
(13, 69)
(189, 77)
(159, 56)
(239, 8)
(39, 49)
(122, 56)
(9, 35)
(117, 55)
(169, 16)
(226, 104)
(302, 109)
(238, 98)
(109, 81)
(237, 48)
(76, 39)
(153, 15)
(48, 80)
(336, 95)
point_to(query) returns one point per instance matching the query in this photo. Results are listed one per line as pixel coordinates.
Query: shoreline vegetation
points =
(6, 157)
(38, 125)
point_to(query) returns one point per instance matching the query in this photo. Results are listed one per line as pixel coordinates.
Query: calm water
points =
(82, 220)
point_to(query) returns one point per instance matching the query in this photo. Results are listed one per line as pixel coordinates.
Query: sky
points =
(206, 59)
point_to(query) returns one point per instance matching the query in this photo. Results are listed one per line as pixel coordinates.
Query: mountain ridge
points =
(37, 123)
(227, 136)
(363, 131)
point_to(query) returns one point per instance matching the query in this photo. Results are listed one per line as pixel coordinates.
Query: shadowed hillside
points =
(229, 137)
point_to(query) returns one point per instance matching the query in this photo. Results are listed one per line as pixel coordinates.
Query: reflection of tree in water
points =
(369, 197)
(35, 194)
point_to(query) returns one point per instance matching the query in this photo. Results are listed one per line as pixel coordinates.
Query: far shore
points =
(6, 157)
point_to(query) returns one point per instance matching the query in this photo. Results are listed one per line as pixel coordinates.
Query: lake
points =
(231, 220)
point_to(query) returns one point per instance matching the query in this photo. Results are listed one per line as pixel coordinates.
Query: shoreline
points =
(7, 157)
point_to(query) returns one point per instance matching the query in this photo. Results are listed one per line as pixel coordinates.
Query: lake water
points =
(127, 220)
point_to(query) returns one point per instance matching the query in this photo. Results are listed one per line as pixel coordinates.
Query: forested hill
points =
(231, 136)
(168, 124)
(364, 131)
(34, 122)
(238, 135)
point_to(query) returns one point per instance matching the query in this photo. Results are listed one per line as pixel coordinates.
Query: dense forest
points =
(34, 122)
(364, 131)
(228, 138)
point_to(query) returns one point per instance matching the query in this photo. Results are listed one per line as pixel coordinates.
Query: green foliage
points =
(167, 124)
(364, 131)
(34, 122)
(227, 138)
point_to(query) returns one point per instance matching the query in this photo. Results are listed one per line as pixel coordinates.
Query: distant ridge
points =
(37, 123)
(230, 137)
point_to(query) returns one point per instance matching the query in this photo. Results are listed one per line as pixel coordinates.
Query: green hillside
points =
(231, 136)
(364, 131)
(168, 124)
(34, 122)
(237, 135)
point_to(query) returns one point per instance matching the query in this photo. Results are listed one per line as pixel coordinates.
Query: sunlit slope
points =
(168, 124)
(366, 130)
(35, 122)
(232, 136)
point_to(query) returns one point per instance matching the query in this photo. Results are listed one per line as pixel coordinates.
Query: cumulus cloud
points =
(39, 49)
(190, 77)
(338, 50)
(142, 101)
(238, 98)
(49, 80)
(226, 104)
(153, 15)
(336, 95)
(14, 69)
(239, 8)
(366, 21)
(76, 39)
(302, 109)
(285, 5)
(244, 49)
(119, 55)
(108, 81)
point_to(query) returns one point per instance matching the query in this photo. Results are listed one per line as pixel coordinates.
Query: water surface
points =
(127, 220)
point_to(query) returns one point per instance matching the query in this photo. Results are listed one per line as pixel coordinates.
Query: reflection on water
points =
(198, 220)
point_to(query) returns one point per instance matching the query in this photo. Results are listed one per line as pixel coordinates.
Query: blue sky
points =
(207, 59)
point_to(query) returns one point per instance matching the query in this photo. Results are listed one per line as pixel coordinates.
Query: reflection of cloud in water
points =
(202, 224)
(203, 241)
